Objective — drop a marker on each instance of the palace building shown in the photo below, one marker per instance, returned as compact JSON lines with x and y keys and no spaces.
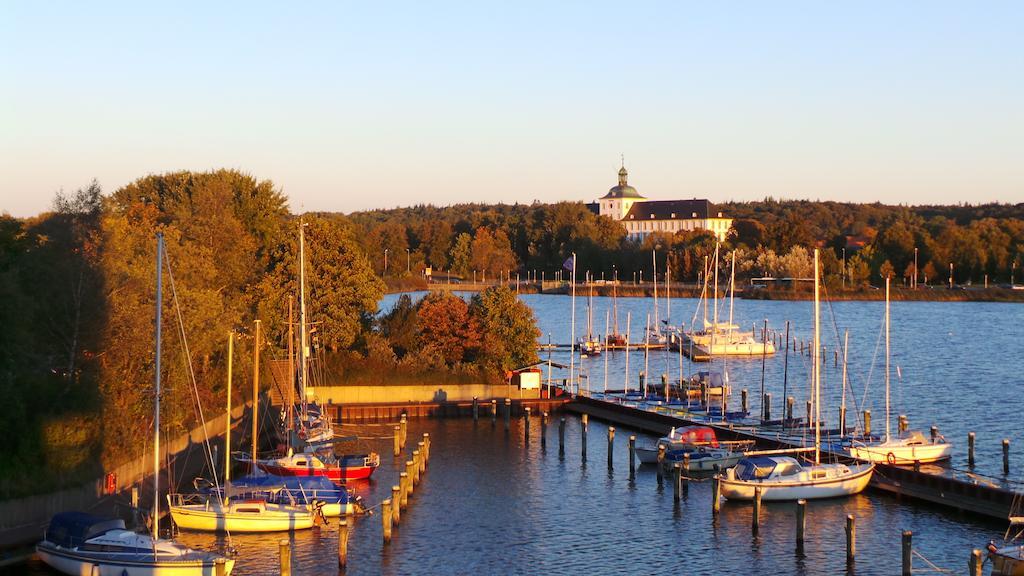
{"x":641,"y":216}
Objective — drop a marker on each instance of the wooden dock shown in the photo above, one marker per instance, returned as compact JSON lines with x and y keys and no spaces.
{"x":968,"y":492}
{"x":391,"y":411}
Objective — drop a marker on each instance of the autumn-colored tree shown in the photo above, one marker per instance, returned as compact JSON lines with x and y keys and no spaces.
{"x":492,"y":253}
{"x":445,"y":325}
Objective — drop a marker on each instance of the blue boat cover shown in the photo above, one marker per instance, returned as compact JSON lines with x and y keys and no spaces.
{"x":319,"y":487}
{"x":70,"y":529}
{"x":755,"y":467}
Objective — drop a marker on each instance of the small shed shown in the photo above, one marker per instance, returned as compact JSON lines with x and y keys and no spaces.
{"x":531,"y":376}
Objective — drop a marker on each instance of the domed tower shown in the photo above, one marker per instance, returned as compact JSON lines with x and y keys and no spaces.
{"x":619,"y":199}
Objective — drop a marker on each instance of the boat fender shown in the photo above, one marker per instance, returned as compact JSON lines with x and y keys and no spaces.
{"x":992,"y":548}
{"x":890,"y":458}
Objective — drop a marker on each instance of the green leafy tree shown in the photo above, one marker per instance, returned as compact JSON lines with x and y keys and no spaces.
{"x":461,"y":255}
{"x":509,"y":329}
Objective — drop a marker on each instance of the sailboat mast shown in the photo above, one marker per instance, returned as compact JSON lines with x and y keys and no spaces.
{"x":625,"y":383}
{"x":290,"y":406}
{"x":887,"y":418}
{"x":846,"y":346}
{"x":704,"y":293}
{"x":668,"y":290}
{"x":647,"y":349}
{"x":572,"y":343}
{"x":732,"y":286}
{"x":607,"y":313}
{"x":816,"y":371}
{"x":615,"y":305}
{"x":303,"y":334}
{"x":156,"y":387}
{"x":227,"y":431}
{"x":714,"y":328}
{"x":654,"y":261}
{"x":255,"y":392}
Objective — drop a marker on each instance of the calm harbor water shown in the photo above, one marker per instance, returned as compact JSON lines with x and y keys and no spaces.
{"x":493,"y":503}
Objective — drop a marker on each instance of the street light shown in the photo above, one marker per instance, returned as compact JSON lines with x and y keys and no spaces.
{"x":914,"y":283}
{"x":408,"y":267}
{"x":844,"y":268}
{"x":950,"y":275}
{"x":385,"y":261}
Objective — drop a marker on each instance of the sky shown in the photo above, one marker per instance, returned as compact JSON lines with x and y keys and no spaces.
{"x":353,"y":106}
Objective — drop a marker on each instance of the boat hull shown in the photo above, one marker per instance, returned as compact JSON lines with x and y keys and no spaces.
{"x":902,"y":455}
{"x":202,"y":519}
{"x":853,"y":483}
{"x":85,"y":564}
{"x":1008,"y":561}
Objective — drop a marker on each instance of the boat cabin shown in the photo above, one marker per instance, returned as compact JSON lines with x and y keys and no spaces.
{"x":693,"y":436}
{"x":765,"y":467}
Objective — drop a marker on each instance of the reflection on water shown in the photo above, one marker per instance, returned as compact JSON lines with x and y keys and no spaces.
{"x":491,"y":503}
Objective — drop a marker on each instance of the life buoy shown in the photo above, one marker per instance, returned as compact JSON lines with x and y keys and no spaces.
{"x":890,"y":458}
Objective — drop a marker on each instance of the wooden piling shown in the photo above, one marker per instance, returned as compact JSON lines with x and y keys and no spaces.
{"x":851,"y":539}
{"x":526,"y":424}
{"x":342,"y":545}
{"x":398,"y":441}
{"x":561,"y":437}
{"x":970,"y":449}
{"x":908,"y":550}
{"x":677,"y":470}
{"x":867,"y":422}
{"x":632,"y":457}
{"x":716,"y":494}
{"x":842,"y":420}
{"x":661,"y":463}
{"x":755,"y":520}
{"x":220,"y":567}
{"x":917,"y":465}
{"x":767,"y":406}
{"x":790,"y":401}
{"x":810,"y":414}
{"x":404,"y":425}
{"x":976,"y":562}
{"x":508,"y":412}
{"x":686,"y":468}
{"x":385,"y":519}
{"x":403,"y":483}
{"x":396,"y":508}
{"x":410,"y":472}
{"x":422,"y":460}
{"x":584,"y":428}
{"x":543,"y":429}
{"x":476,"y":409}
{"x":801,"y":524}
{"x":611,"y":446}
{"x":417,"y":469}
{"x":285,"y":555}
{"x":426,"y":444}
{"x":494,"y":411}
{"x":1006,"y":456}
{"x":743,"y":400}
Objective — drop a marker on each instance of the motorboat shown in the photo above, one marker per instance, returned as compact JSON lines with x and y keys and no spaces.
{"x":83,"y":544}
{"x":339,"y":469}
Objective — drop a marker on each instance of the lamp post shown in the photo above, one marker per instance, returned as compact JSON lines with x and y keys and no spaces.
{"x":385,"y":261}
{"x":914,"y":283}
{"x":408,"y":262}
{"x":844,"y":268}
{"x":950,"y":275}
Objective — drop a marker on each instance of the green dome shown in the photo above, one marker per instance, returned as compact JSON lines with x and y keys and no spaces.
{"x":623,"y":190}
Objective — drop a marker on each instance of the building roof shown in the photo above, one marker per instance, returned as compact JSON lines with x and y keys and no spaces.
{"x":672,"y":210}
{"x":623,"y":190}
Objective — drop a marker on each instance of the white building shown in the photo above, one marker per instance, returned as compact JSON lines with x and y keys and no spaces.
{"x":641,"y":216}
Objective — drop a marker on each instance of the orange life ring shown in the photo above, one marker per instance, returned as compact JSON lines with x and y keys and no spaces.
{"x":890,"y":458}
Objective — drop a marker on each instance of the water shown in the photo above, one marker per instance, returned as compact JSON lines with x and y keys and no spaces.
{"x":493,"y":503}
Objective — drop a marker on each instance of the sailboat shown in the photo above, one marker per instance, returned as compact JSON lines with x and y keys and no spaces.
{"x":615,"y":338}
{"x":590,"y":345}
{"x":220,"y":512}
{"x":654,"y":334}
{"x":908,"y":446}
{"x":79,"y":543}
{"x":1008,"y":560}
{"x":783,"y":477}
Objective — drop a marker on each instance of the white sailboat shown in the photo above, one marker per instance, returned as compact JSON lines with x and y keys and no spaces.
{"x":212,"y":513}
{"x":783,"y":477}
{"x":82,"y":544}
{"x":906,"y":447}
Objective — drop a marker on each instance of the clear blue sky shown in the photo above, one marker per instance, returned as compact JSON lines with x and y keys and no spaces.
{"x":348,"y":106}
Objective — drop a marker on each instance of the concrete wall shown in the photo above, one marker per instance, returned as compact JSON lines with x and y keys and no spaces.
{"x":22,"y":520}
{"x":418,"y":393}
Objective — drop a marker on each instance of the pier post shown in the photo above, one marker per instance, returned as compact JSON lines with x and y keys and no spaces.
{"x":396,"y":507}
{"x":342,"y":545}
{"x":851,"y":539}
{"x":766,"y":410}
{"x":611,"y":446}
{"x":632,"y":457}
{"x":801,"y":524}
{"x":426,"y":444}
{"x":755,"y":520}
{"x":404,"y":425}
{"x":975,"y":564}
{"x":220,"y":567}
{"x":508,"y":412}
{"x":970,"y":449}
{"x":790,"y":401}
{"x":842,"y":421}
{"x":835,"y":363}
{"x":686,"y":469}
{"x":676,"y":480}
{"x":1006,"y":456}
{"x":403,"y":483}
{"x":809,"y":414}
{"x":422,"y":460}
{"x":543,"y":429}
{"x":476,"y":409}
{"x":716,"y":494}
{"x":743,"y":400}
{"x":917,"y":465}
{"x":526,"y":424}
{"x":867,"y":422}
{"x":398,"y":441}
{"x":584,"y":428}
{"x":661,"y":463}
{"x":908,"y":561}
{"x":409,"y":471}
{"x":385,"y":519}
{"x":285,"y":555}
{"x":561,"y":437}
{"x":494,"y":411}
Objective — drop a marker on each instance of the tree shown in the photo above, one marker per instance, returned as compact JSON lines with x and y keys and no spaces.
{"x":446,"y":327}
{"x":492,"y":253}
{"x":509,"y":329}
{"x":399,"y":326}
{"x":461,"y":254}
